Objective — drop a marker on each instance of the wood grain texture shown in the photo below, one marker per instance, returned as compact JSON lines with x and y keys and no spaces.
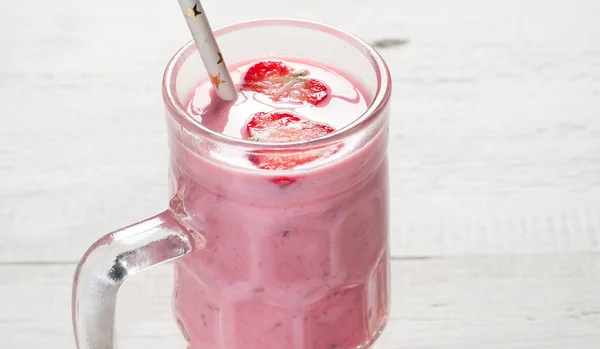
{"x":495,"y":143}
{"x":494,"y":302}
{"x":494,"y":136}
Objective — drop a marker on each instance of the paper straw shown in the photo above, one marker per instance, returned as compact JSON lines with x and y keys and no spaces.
{"x":208,"y":48}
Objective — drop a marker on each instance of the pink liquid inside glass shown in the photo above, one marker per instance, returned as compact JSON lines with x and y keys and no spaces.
{"x":298,"y":266}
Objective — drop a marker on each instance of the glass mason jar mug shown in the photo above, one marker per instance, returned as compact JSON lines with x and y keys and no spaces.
{"x":261,"y":264}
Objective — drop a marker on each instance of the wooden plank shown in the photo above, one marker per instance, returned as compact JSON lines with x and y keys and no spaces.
{"x":494,"y":302}
{"x":494,"y":136}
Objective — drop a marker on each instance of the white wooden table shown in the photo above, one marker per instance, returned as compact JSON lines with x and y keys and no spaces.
{"x":495,"y":162}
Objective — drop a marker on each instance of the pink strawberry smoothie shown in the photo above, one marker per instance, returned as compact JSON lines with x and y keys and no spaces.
{"x":296,"y":250}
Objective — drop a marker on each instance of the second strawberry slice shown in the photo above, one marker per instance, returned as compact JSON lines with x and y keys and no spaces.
{"x":283,"y":127}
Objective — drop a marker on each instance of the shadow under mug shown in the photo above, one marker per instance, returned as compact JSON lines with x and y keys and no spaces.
{"x":294,"y":259}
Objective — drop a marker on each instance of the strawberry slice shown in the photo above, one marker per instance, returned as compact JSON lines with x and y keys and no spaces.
{"x":280,"y":82}
{"x":281,"y":127}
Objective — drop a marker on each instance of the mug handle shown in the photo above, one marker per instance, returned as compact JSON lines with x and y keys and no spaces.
{"x":108,"y":263}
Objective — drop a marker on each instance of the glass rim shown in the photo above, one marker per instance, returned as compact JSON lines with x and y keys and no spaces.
{"x":179,"y":112}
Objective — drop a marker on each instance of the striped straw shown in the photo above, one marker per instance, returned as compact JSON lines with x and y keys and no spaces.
{"x":208,"y":48}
